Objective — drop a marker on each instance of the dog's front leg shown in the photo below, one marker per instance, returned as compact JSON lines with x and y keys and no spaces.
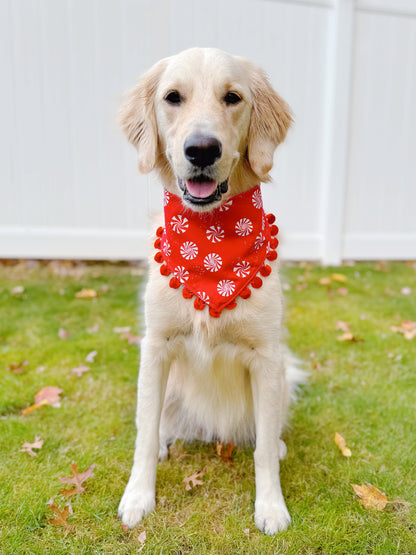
{"x":139,"y":495}
{"x":270,"y":401}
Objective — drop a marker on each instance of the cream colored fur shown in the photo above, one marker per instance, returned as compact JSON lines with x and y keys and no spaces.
{"x":201,"y":377}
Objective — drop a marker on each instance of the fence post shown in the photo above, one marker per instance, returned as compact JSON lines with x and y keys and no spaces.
{"x":339,"y":88}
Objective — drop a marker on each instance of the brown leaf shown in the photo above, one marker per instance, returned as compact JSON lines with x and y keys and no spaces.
{"x":18,"y":368}
{"x":86,"y":294}
{"x":48,"y":395}
{"x":370,"y":496}
{"x":63,"y":334}
{"x":325,"y":281}
{"x":343,"y":326}
{"x":225,"y":451}
{"x":192,"y":481}
{"x":77,"y":479}
{"x":407,"y":328}
{"x":61,"y":516}
{"x":80,"y":369}
{"x":28,"y":447}
{"x":340,"y":441}
{"x":347,"y":336}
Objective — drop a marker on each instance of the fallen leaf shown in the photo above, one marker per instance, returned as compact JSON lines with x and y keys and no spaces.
{"x":246,"y":531}
{"x":342,"y":291}
{"x":77,"y":479}
{"x":347,"y":336}
{"x":61,"y":516}
{"x":63,"y":334}
{"x":407,"y":328}
{"x":80,"y":369}
{"x":406,"y":291}
{"x":131,"y":337}
{"x":18,"y":368}
{"x":124,"y":527}
{"x":93,"y":329}
{"x":142,"y":537}
{"x":91,"y":356}
{"x":340,"y":278}
{"x":225,"y":451}
{"x":370,"y":496}
{"x":18,"y":290}
{"x":86,"y":294}
{"x":48,"y":395}
{"x":325,"y":281}
{"x":192,"y":481}
{"x":340,"y":441}
{"x":28,"y":447}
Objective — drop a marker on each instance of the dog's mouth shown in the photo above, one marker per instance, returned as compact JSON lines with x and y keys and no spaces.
{"x":201,"y":190}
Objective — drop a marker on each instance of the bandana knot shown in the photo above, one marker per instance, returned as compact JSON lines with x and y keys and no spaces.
{"x":215,"y":256}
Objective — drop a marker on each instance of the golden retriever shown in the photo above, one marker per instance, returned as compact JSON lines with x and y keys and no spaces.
{"x":209,"y":123}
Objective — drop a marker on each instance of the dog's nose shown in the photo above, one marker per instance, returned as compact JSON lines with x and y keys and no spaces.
{"x":202,"y":150}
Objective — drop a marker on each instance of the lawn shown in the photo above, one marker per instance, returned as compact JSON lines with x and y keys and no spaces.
{"x":362,"y":387}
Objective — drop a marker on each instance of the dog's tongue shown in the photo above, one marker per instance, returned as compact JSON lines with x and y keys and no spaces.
{"x":201,"y":190}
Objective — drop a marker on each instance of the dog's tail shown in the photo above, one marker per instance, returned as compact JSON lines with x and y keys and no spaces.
{"x":295,"y":374}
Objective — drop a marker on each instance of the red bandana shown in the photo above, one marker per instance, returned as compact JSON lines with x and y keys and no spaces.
{"x":216,"y":255}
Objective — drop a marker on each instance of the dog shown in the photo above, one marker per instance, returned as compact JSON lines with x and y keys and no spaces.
{"x":209,"y":123}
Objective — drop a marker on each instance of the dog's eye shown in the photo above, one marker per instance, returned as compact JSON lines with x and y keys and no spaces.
{"x":232,"y":98}
{"x":173,"y":97}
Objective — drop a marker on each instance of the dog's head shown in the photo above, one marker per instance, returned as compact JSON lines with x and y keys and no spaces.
{"x":208,"y":121}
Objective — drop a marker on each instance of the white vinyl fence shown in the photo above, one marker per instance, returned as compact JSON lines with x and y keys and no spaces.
{"x":345,"y":179}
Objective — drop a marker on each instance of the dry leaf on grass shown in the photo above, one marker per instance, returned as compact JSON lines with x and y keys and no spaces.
{"x":225,"y":451}
{"x":17,"y":290}
{"x":91,"y":356}
{"x":61,"y":516}
{"x":407,"y":328}
{"x":340,"y":441}
{"x":131,"y":337}
{"x":93,"y":329}
{"x":18,"y":368}
{"x":80,"y":369}
{"x":192,"y":481}
{"x":28,"y":447}
{"x":77,"y":479}
{"x":48,"y":395}
{"x":86,"y":294}
{"x":340,"y":278}
{"x":343,"y":326}
{"x":370,"y":497}
{"x":63,"y":334}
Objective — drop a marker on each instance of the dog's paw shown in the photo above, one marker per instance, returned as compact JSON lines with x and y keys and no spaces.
{"x":271,"y":518}
{"x":135,"y":505}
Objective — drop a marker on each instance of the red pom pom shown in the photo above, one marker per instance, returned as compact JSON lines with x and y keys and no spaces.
{"x":164,"y":270}
{"x":214,"y":313}
{"x":158,"y":257}
{"x":187,"y":294}
{"x":159,"y":231}
{"x":256,"y":282}
{"x":271,"y":218}
{"x":274,"y":230}
{"x":199,"y":304}
{"x":265,"y":270}
{"x":231,"y":306}
{"x":274,"y":241}
{"x":174,"y":283}
{"x":157,"y":243}
{"x":245,"y":293}
{"x":272,"y":255}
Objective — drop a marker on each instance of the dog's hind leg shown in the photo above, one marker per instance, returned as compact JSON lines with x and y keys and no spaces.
{"x":139,"y":495}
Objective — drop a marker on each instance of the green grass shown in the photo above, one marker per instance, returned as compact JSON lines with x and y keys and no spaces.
{"x":364,"y":390}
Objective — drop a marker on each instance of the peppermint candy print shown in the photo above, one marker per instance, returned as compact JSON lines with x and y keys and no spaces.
{"x":242,"y":269}
{"x":215,"y":233}
{"x":213,"y":262}
{"x":257,"y":200}
{"x":188,"y":250}
{"x":179,"y":224}
{"x":243,"y":227}
{"x":226,"y":206}
{"x":259,"y":241}
{"x":181,"y":273}
{"x":226,"y":287}
{"x":203,"y":296}
{"x":166,"y":197}
{"x":166,"y":248}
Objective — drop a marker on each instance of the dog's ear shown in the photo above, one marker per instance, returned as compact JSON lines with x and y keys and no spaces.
{"x":137,"y":117}
{"x":269,"y":121}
